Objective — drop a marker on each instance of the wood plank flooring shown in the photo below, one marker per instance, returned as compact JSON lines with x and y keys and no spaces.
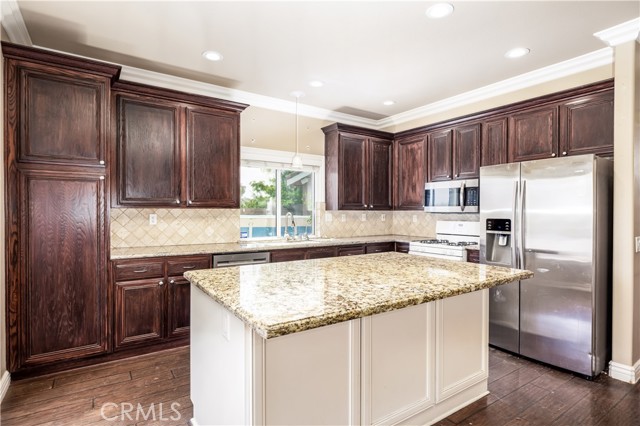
{"x":522,"y":393}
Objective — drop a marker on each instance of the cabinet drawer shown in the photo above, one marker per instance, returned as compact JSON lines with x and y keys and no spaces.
{"x":351,"y":250}
{"x":380,"y":247}
{"x":179,"y":267}
{"x":138,"y":270}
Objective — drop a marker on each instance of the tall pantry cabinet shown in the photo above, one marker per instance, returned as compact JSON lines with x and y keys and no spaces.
{"x":56,"y":133}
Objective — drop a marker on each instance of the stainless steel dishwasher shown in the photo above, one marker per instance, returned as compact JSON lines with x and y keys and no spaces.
{"x":239,"y":259}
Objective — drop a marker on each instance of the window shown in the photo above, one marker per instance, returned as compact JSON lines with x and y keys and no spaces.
{"x":272,"y":198}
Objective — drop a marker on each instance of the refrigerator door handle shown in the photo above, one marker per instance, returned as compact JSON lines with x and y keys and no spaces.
{"x":514,"y":253}
{"x":523,"y":194}
{"x":462,"y":188}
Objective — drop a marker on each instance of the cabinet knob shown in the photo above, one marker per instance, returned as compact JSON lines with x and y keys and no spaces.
{"x":364,"y":205}
{"x":553,"y":154}
{"x":177,"y":201}
{"x":370,"y":206}
{"x":101,"y":162}
{"x":161,"y":282}
{"x":448,"y":176}
{"x":457,"y":174}
{"x":564,"y":152}
{"x":172,"y":282}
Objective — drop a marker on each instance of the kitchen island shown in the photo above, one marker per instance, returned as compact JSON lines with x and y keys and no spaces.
{"x":380,"y":338}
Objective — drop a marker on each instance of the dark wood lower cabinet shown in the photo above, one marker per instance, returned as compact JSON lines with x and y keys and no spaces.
{"x":139,"y":312}
{"x":288,"y":255}
{"x":473,"y":256}
{"x":402,"y":247}
{"x":152,"y":299}
{"x":380,"y":247}
{"x":352,"y":250}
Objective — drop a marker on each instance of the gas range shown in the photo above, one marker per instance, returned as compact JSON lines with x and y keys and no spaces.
{"x":451,"y":240}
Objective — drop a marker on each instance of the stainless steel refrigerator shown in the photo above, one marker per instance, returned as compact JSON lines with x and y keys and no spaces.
{"x":552,"y":217}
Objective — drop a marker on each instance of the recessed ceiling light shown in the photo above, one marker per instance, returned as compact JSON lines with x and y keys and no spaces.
{"x":388,"y":103}
{"x":517,"y":52}
{"x":439,"y":10}
{"x":316,"y":83}
{"x":212,"y":55}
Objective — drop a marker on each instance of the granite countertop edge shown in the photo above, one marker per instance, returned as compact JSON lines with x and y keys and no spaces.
{"x":252,"y":246}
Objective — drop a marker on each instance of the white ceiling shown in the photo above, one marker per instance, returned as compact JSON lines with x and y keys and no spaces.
{"x":365,"y":52}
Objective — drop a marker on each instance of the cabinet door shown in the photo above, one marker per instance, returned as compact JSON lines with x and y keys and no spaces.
{"x":288,"y":255}
{"x":466,"y":152}
{"x":62,"y":114}
{"x":139,"y":312}
{"x":380,"y":174}
{"x":533,"y":134}
{"x":440,"y":145}
{"x":179,"y":313}
{"x":57,"y":297}
{"x":494,"y":142}
{"x":410,"y":172}
{"x":148,"y":152}
{"x":213,"y":158}
{"x":352,"y":173}
{"x":586,"y":125}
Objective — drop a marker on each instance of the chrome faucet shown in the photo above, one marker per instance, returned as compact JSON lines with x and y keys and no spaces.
{"x":291,"y":222}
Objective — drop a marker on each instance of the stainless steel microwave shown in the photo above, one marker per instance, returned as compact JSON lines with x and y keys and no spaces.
{"x":452,"y":196}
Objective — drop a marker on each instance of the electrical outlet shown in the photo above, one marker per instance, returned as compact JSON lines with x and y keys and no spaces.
{"x":328,"y":217}
{"x":383,"y":217}
{"x":363,"y":217}
{"x":153,"y":219}
{"x":414,"y":218}
{"x":637,"y":244}
{"x":343,"y":218}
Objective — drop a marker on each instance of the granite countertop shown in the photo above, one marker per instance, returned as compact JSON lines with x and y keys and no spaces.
{"x":283,"y":298}
{"x":251,"y":246}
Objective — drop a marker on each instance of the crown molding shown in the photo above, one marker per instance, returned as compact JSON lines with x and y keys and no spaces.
{"x":177,"y":83}
{"x":13,"y":23}
{"x":627,"y":31}
{"x":542,"y":75}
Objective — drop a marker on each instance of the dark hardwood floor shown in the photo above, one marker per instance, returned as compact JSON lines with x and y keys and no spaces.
{"x":522,"y":393}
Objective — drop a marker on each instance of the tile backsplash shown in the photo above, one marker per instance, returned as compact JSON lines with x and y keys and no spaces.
{"x":131,"y":228}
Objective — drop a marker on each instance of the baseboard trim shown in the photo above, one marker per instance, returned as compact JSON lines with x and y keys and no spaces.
{"x":625,"y":373}
{"x":4,"y":384}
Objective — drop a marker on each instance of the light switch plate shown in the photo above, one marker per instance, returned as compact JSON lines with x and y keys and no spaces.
{"x":153,"y":219}
{"x":637,"y":244}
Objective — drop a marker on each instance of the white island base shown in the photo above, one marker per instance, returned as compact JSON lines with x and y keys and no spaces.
{"x":414,"y":365}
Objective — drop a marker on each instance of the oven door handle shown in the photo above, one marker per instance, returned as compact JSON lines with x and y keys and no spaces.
{"x":462,"y":200}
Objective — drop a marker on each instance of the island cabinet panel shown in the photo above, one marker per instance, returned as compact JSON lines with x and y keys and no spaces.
{"x":586,"y":125}
{"x":398,"y":367}
{"x":174,"y":149}
{"x":493,"y":147}
{"x":533,"y":134}
{"x":410,"y":172}
{"x":461,"y":343}
{"x":358,"y":168}
{"x":63,"y":311}
{"x":213,"y":158}
{"x":148,"y":150}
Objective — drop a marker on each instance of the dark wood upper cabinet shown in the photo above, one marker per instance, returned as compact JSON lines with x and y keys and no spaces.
{"x":410,"y":172}
{"x":493,"y":148}
{"x":175,"y":149}
{"x":586,"y":125}
{"x":61,"y":105}
{"x":466,"y":151}
{"x":358,"y":168}
{"x":533,"y":134}
{"x":148,"y":151}
{"x":454,"y":153}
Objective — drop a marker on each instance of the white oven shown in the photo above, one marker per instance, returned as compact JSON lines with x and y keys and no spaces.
{"x":451,"y":242}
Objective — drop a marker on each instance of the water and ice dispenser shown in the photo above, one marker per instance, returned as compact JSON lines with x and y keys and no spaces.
{"x":499,"y":241}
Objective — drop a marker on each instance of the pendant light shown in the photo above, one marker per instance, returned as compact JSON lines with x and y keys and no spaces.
{"x":296,"y":161}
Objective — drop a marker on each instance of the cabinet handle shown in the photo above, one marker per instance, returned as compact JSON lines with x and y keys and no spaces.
{"x":172,"y":282}
{"x":140,"y":271}
{"x":553,"y":154}
{"x":189,"y":267}
{"x":564,"y":152}
{"x":161,"y":283}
